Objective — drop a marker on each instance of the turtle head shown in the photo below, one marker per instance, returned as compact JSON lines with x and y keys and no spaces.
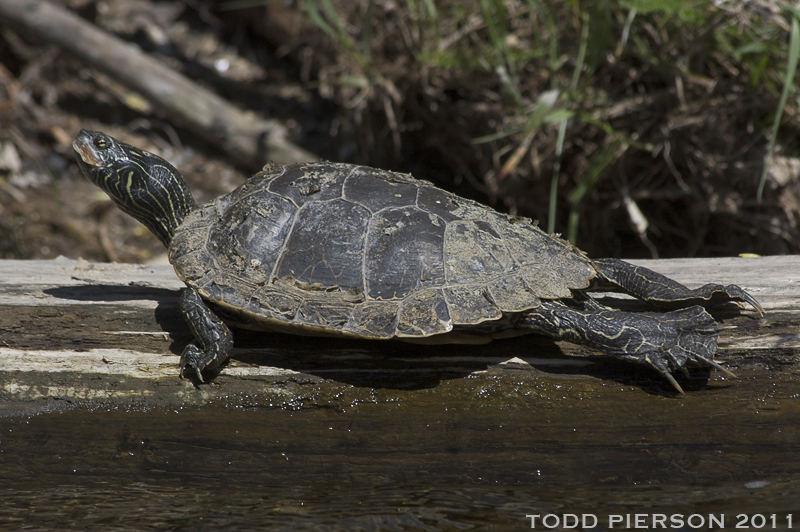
{"x":142,"y":184}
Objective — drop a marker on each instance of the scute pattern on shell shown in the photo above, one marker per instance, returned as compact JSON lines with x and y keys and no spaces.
{"x":329,"y":248}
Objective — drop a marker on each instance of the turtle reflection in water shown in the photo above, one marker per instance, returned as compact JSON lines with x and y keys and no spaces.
{"x":343,"y":250}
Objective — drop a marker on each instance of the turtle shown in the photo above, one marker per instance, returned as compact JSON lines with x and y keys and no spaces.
{"x":335,"y":249}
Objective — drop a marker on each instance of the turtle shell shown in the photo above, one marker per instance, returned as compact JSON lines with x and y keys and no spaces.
{"x":328,"y":248}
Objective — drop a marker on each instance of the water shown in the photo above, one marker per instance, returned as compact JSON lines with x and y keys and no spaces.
{"x":477,"y":453}
{"x":217,"y":506}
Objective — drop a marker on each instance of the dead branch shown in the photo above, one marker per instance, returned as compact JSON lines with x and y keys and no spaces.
{"x":250,"y":139}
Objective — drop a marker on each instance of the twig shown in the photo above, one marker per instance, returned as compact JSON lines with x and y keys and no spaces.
{"x":250,"y":139}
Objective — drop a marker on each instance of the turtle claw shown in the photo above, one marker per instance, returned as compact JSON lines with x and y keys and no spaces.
{"x":659,"y":366}
{"x":199,"y":375}
{"x":667,"y":375}
{"x":190,"y":359}
{"x":721,"y":368}
{"x":662,"y":368}
{"x":197,"y":372}
{"x":737,"y":294}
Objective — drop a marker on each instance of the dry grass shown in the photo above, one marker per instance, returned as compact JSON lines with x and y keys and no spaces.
{"x":637,"y":128}
{"x":652,"y":122}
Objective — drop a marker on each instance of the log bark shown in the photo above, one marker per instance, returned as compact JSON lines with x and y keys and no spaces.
{"x":246,"y":137}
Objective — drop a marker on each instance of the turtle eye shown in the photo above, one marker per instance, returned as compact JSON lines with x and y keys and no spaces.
{"x":101,"y":142}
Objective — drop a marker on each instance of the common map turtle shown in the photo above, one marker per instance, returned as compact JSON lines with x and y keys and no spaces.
{"x":336,"y":249}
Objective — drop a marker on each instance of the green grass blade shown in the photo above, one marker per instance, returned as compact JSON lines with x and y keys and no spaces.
{"x":788,"y":84}
{"x":497,"y":136}
{"x":553,"y":204}
{"x":600,"y":162}
{"x":579,"y":62}
{"x":318,"y":20}
{"x":562,"y":130}
{"x":366,"y":31}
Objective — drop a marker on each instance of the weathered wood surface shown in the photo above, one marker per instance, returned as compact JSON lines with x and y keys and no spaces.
{"x":73,"y":331}
{"x":89,"y":391}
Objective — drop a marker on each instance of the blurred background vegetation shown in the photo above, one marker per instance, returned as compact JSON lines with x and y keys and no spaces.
{"x":636,"y":128}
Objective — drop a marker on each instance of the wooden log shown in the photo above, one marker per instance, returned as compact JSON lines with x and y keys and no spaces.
{"x":252,"y":140}
{"x":77,"y":331}
{"x":92,"y":350}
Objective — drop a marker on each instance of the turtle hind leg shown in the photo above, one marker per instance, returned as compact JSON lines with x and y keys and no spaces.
{"x":664,"y":292}
{"x":213,"y":343}
{"x":666,"y":342}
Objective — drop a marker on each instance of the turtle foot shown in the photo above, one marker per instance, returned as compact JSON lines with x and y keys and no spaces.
{"x":213,"y":339}
{"x":192,"y":358}
{"x":666,"y":364}
{"x":667,"y":342}
{"x":690,"y":340}
{"x":735,"y":293}
{"x":664,"y":292}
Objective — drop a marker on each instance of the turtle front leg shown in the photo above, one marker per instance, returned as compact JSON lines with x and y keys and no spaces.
{"x":213,"y":343}
{"x":664,"y":292}
{"x":665,"y":342}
